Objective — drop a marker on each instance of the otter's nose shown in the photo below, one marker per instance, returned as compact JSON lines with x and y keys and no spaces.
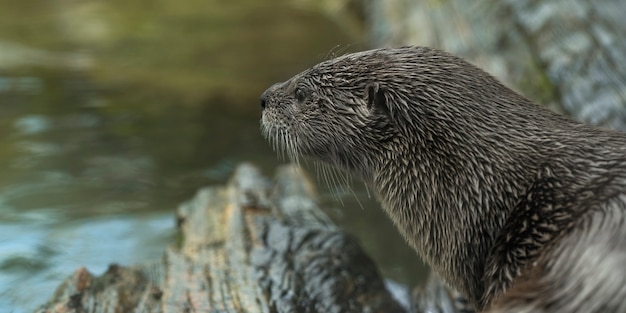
{"x":265,"y":95}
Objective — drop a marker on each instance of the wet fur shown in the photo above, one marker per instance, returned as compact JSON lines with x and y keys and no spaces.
{"x":520,"y":209}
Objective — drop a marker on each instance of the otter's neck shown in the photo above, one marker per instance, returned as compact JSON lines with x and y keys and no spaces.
{"x":450,"y":185}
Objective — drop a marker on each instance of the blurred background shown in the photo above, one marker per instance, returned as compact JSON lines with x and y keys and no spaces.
{"x":114,"y":112}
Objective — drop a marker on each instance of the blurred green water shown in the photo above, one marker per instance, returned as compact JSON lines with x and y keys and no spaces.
{"x":113,"y":112}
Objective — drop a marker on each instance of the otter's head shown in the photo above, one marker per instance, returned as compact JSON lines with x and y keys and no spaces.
{"x":336,"y":112}
{"x":344,"y":110}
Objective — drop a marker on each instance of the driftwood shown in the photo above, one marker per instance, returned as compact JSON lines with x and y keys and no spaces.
{"x":251,"y":246}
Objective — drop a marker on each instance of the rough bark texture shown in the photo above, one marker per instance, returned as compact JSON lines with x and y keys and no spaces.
{"x":252,"y":246}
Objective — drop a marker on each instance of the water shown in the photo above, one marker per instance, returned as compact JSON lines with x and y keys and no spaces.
{"x":114,"y":112}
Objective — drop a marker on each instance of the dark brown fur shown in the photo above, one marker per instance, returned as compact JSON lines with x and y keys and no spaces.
{"x":519,"y":208}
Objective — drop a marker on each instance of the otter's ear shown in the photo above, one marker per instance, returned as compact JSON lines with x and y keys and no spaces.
{"x":376,"y":98}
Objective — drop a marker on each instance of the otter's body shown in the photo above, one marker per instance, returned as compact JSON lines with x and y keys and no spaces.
{"x":517,"y":207}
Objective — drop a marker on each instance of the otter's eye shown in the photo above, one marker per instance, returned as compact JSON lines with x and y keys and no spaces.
{"x":300,"y":95}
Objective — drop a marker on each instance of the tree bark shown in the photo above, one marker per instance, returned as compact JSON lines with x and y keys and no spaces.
{"x":251,"y":246}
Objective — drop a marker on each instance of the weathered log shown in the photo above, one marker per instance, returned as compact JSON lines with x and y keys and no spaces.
{"x":251,"y":246}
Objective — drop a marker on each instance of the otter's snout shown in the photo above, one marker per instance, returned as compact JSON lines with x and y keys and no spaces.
{"x":266,"y":93}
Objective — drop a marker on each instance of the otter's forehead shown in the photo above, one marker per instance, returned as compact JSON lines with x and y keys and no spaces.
{"x":386,"y":64}
{"x":344,"y":68}
{"x":372,"y":62}
{"x":382,"y":55}
{"x":354,"y":60}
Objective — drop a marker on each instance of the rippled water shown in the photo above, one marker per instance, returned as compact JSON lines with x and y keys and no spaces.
{"x":114,"y":112}
{"x":91,"y":180}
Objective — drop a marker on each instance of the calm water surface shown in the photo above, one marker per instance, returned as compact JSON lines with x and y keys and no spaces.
{"x":114,"y":112}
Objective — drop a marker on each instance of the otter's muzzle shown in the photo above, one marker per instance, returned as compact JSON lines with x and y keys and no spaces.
{"x":266,"y":93}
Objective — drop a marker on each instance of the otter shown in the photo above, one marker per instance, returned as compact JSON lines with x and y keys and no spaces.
{"x":519,"y":208}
